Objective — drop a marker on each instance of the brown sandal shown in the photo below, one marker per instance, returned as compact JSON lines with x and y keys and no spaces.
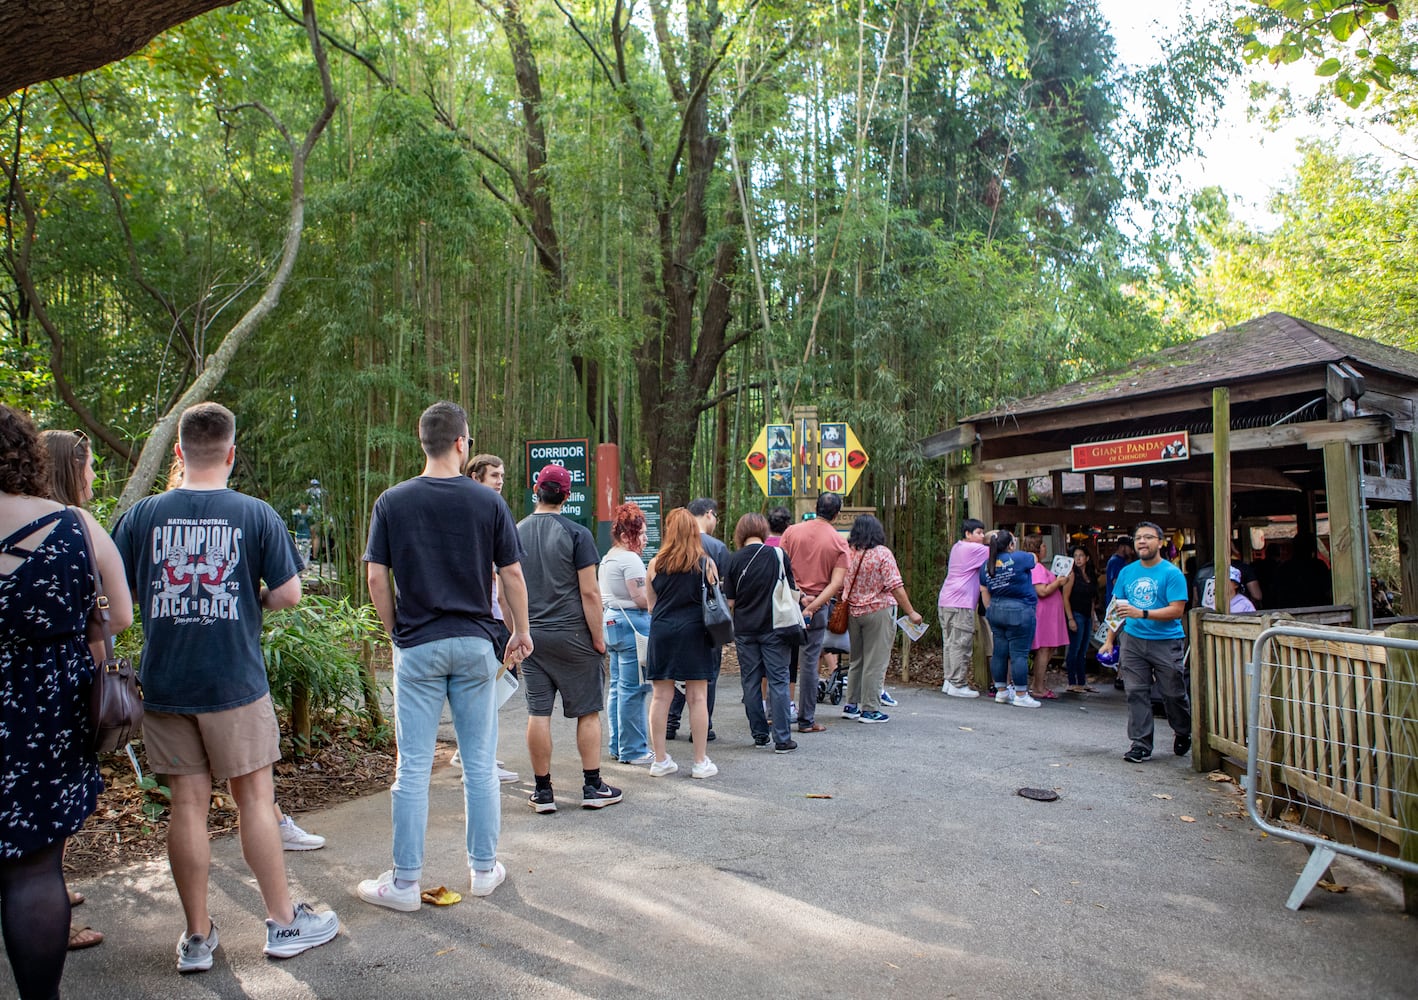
{"x":75,"y":898}
{"x":816,"y":727}
{"x":83,"y":936}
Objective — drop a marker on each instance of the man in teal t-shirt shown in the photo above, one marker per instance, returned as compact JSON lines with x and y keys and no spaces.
{"x":1152,"y":597}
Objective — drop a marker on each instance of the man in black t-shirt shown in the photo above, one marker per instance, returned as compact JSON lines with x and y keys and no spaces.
{"x":437,"y":535}
{"x":564,"y":602}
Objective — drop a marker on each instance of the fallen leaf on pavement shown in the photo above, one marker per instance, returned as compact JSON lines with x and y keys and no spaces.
{"x":440,"y":954}
{"x":816,"y":795}
{"x":966,"y":729}
{"x":1036,"y":892}
{"x":1218,"y":776}
{"x":1187,"y":819}
{"x":1160,"y":795}
{"x":1332,"y":886}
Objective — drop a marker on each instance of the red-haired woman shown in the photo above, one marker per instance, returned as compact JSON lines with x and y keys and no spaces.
{"x":623,"y":595}
{"x":679,"y":646}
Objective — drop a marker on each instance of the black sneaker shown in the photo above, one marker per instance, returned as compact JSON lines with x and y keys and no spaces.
{"x":711,"y":737}
{"x":598,"y":798}
{"x":542,"y":800}
{"x":761,"y":742}
{"x":788,"y":747}
{"x":1182,"y":745}
{"x":1137,"y":755}
{"x":670,"y":733}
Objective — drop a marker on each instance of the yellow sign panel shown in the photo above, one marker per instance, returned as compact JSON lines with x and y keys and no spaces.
{"x":840,"y":458}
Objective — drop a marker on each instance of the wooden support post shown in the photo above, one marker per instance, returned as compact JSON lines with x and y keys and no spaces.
{"x":1346,"y":544}
{"x":980,"y":500}
{"x":1408,"y":537}
{"x":1403,"y":710}
{"x":979,"y":662}
{"x":1204,"y":757}
{"x":1221,"y":488}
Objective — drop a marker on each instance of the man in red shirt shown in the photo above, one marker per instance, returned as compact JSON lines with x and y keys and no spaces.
{"x":819,"y":556}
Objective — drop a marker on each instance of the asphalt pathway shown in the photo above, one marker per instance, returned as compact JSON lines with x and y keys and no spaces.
{"x":923,"y":875}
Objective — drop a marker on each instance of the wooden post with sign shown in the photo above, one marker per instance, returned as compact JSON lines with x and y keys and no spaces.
{"x":1346,"y":544}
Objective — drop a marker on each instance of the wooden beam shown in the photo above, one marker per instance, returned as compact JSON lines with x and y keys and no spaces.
{"x":1346,"y":545}
{"x":1221,"y":489}
{"x":1008,"y":513}
{"x":1378,"y":488}
{"x":980,"y":501}
{"x":1314,"y":434}
{"x":946,"y":442}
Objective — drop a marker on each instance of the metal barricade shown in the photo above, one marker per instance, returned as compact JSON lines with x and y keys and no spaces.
{"x":1332,"y":733}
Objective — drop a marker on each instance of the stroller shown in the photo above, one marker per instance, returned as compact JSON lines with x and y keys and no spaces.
{"x":834,"y":688}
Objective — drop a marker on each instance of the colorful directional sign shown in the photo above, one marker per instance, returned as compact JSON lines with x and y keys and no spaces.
{"x":843,"y":458}
{"x":840,"y":456}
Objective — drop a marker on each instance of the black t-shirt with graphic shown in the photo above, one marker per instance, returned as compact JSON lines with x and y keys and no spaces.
{"x":439,"y":536}
{"x":195,"y":561}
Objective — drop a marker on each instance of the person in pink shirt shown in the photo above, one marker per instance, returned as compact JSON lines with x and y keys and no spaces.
{"x":959,"y":595}
{"x":1050,"y":625}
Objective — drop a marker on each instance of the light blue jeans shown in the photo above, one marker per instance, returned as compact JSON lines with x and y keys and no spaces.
{"x":463,"y":672}
{"x":628,"y":697}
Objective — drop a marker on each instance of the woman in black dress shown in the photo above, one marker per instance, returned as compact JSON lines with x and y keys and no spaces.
{"x":50,"y":780}
{"x":679,"y":646}
{"x":1082,"y":600}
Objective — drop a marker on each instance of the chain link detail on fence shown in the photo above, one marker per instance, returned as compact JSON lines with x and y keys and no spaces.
{"x":1332,"y":742}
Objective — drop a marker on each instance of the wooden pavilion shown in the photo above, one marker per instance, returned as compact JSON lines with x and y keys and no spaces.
{"x":1274,"y":418}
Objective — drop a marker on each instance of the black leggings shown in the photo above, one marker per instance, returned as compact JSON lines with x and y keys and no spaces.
{"x":34,"y":916}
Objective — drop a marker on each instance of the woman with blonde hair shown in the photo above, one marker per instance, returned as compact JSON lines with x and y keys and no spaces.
{"x":680,"y":649}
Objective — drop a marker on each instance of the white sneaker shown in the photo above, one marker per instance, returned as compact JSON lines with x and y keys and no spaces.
{"x":703,"y":769}
{"x":194,"y":951}
{"x":1002,"y":696}
{"x":485,"y":882}
{"x":1022,"y":699}
{"x":660,"y":768}
{"x":382,"y":891}
{"x":959,"y":692}
{"x":456,"y":760}
{"x":308,"y":930}
{"x":792,"y":713}
{"x":505,"y":775}
{"x":641,"y":761}
{"x":293,"y":838}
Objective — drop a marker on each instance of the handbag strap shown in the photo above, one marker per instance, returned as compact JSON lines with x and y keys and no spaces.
{"x":848,"y":589}
{"x":98,"y":614}
{"x":751,"y":558}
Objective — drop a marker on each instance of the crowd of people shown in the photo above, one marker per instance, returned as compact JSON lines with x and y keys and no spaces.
{"x":480,"y":599}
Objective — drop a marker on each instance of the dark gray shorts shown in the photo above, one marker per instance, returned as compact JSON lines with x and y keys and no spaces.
{"x":568,"y":663}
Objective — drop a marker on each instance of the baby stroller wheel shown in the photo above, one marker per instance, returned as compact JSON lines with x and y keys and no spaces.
{"x":821,"y":691}
{"x":836,"y":695}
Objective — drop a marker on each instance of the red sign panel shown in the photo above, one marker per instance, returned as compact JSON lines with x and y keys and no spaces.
{"x":1172,"y":446}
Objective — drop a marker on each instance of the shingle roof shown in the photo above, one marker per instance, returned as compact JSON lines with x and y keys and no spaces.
{"x":1264,"y":346}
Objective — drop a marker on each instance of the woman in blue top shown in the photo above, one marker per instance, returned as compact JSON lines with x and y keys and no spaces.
{"x":1010,"y":601}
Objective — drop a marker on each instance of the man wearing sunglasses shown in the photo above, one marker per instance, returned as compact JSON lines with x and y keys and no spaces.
{"x":1152,"y":597}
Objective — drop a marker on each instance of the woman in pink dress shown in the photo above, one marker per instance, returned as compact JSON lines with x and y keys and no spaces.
{"x":1051,"y":626}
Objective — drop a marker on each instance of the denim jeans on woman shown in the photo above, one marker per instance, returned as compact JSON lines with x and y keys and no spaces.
{"x":626,"y":702}
{"x":463,"y":672}
{"x":1012,"y":622}
{"x":1078,"y":650}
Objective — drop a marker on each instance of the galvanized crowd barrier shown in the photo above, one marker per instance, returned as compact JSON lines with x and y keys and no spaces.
{"x":1332,"y":742}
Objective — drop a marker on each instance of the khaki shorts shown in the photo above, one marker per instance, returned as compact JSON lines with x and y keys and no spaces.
{"x":225,"y":744}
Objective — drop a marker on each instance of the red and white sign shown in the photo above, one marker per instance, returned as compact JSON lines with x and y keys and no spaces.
{"x":1172,"y":446}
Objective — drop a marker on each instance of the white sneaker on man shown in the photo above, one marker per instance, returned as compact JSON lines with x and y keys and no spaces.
{"x":485,"y":882}
{"x":959,"y":692}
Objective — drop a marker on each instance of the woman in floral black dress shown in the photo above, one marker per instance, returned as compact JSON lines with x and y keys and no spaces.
{"x":49,"y":781}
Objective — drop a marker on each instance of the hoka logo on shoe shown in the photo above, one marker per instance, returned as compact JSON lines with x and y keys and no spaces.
{"x":287,"y":932}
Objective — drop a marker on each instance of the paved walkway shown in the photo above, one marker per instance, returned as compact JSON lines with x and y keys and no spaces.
{"x":924,"y":875}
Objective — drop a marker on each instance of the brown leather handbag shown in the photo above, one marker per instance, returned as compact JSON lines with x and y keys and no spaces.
{"x":837,"y":620}
{"x":116,"y":700}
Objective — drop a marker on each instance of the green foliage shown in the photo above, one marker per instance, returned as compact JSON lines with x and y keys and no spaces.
{"x":316,"y":646}
{"x":1345,"y":38}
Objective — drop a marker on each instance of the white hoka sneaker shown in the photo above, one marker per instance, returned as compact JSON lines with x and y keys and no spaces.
{"x":293,"y":838}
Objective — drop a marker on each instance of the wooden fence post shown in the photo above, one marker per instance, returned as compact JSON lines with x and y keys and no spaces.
{"x":1402,"y":702}
{"x":1204,"y":757}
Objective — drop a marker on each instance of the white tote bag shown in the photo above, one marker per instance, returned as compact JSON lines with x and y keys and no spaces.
{"x":787,"y":603}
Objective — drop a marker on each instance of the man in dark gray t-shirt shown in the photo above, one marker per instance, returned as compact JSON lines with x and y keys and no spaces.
{"x":568,"y":635}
